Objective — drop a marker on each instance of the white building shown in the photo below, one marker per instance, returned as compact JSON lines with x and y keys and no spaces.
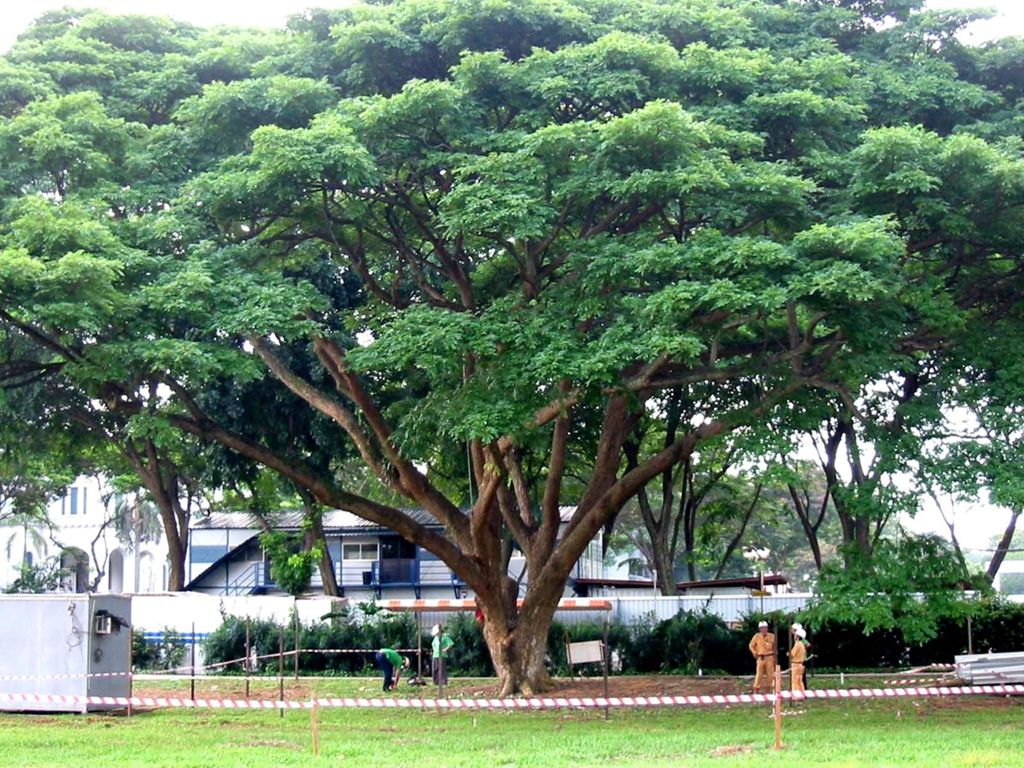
{"x":225,"y":558}
{"x":83,"y":536}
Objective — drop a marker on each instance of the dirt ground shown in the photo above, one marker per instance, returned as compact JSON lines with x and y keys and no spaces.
{"x":648,"y":685}
{"x":625,"y":685}
{"x":641,"y":685}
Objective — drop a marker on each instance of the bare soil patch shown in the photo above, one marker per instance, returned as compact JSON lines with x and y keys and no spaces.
{"x":730,"y":749}
{"x":640,"y":685}
{"x":632,"y":686}
{"x":580,"y":687}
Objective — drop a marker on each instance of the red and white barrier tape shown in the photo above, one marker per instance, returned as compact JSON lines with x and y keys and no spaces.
{"x":533,"y":703}
{"x":263,"y":656}
{"x":335,"y":650}
{"x":80,"y":676}
{"x":913,"y":681}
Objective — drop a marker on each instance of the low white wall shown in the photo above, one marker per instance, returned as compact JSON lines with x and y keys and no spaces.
{"x":181,"y":611}
{"x":185,"y":611}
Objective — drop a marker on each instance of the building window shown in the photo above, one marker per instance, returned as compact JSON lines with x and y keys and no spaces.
{"x":365,"y":551}
{"x":395,"y":548}
{"x":74,"y":501}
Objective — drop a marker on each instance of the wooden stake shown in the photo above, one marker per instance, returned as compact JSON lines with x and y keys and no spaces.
{"x":193,"y":686}
{"x":315,"y":723}
{"x":778,"y":707}
{"x":604,"y":655}
{"x":280,"y":669}
{"x":248,"y":654}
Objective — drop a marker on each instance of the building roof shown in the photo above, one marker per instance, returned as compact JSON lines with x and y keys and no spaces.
{"x":333,"y":519}
{"x":751,"y":582}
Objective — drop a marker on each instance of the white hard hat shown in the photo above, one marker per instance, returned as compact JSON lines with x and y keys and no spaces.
{"x":435,"y":630}
{"x":801,"y":633}
{"x":762,"y":624}
{"x":797,"y":625}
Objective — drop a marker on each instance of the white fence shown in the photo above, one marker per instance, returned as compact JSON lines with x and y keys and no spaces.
{"x":729,"y":608}
{"x":649,"y":610}
{"x":186,"y":612}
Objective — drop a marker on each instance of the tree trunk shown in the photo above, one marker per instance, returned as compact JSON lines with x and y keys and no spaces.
{"x":734,"y":542}
{"x":665,"y":571}
{"x":517,"y":636}
{"x":171,"y":514}
{"x":327,"y":574}
{"x":801,"y":505}
{"x":856,"y":536}
{"x":1004,"y":546}
{"x":690,"y":547}
{"x":160,"y":479}
{"x":176,"y":562}
{"x":659,"y":529}
{"x":518,"y":655}
{"x":315,"y":535}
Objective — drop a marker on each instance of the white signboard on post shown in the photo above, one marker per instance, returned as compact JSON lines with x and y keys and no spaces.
{"x":583,"y":653}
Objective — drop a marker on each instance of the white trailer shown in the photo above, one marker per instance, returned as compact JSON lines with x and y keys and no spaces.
{"x":63,"y":645}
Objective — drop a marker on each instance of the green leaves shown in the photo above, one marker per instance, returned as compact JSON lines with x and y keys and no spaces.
{"x":658,"y":136}
{"x":615,"y":74}
{"x":499,"y":194}
{"x":910,"y":585}
{"x":505,"y":201}
{"x":226,"y":113}
{"x":855,"y":262}
{"x":58,"y":143}
{"x":291,"y":567}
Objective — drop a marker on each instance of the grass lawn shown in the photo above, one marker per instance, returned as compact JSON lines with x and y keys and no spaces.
{"x":907,"y":732}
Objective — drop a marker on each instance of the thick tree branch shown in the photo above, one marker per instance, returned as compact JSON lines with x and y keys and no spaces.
{"x":336,"y":498}
{"x":325,"y":405}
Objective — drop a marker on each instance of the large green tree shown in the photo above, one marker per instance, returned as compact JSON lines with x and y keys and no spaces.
{"x":555,"y":212}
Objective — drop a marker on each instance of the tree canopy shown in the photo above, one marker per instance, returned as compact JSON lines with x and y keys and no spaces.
{"x":514,"y":230}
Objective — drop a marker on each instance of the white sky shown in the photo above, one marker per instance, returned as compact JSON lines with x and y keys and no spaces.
{"x":16,"y":15}
{"x":974,"y":530}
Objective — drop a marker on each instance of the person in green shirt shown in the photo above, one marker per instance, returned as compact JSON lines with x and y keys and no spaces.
{"x":389,"y":660}
{"x":440,"y":648}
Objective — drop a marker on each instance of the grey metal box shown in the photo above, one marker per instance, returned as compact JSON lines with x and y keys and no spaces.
{"x":64,"y":645}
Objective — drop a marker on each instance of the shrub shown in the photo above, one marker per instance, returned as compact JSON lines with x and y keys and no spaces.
{"x":469,"y":656}
{"x":167,"y":653}
{"x":144,"y":655}
{"x":686,"y":643}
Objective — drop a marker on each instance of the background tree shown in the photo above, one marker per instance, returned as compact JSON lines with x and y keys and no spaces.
{"x":696,"y":519}
{"x":976,"y":452}
{"x":98,"y":136}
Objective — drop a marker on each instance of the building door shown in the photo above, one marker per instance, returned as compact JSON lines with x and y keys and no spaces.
{"x":397,"y":560}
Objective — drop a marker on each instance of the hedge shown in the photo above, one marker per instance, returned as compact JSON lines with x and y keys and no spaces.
{"x":688,"y":643}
